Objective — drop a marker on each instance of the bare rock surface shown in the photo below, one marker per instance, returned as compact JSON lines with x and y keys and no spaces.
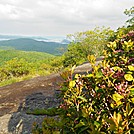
{"x":36,"y":93}
{"x":18,"y":98}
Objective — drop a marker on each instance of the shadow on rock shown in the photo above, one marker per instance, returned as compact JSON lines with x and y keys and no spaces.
{"x":21,"y":122}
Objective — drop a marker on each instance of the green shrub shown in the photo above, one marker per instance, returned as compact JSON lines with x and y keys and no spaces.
{"x":15,"y":68}
{"x":101,"y":102}
{"x":56,"y":64}
{"x":49,"y":126}
{"x":19,"y":68}
{"x":86,"y":43}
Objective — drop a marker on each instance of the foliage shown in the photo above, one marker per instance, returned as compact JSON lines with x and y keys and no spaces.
{"x":18,"y":65}
{"x":124,"y":29}
{"x":15,"y":68}
{"x":130,"y":13}
{"x":6,"y":55}
{"x":56,"y":63}
{"x":49,"y":112}
{"x":102,"y":101}
{"x":50,"y":126}
{"x":85,"y":43}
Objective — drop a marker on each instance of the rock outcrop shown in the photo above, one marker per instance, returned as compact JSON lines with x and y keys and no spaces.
{"x":18,"y":98}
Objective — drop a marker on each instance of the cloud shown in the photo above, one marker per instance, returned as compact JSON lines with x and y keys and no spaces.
{"x":61,"y":16}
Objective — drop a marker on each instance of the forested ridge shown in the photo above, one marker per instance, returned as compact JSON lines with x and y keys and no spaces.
{"x":27,"y":44}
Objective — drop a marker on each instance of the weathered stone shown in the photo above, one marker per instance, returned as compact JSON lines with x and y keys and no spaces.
{"x":16,"y":99}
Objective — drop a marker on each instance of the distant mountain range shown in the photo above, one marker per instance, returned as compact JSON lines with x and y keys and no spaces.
{"x":38,"y":44}
{"x":58,"y":39}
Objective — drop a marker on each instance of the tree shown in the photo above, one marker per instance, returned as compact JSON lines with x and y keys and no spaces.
{"x":85,"y":43}
{"x":129,"y":26}
{"x":130,"y":13}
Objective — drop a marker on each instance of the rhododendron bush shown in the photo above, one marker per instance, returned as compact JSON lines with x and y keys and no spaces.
{"x":102,"y":101}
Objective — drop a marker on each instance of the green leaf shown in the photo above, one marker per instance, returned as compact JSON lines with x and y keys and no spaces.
{"x":72,"y":71}
{"x":131,"y":68}
{"x":82,"y":98}
{"x":114,"y":44}
{"x":119,"y":118}
{"x":99,"y":74}
{"x":116,"y":68}
{"x":130,"y":111}
{"x":132,"y":92}
{"x":83,"y":129}
{"x":128,"y":77}
{"x":99,"y":90}
{"x":89,"y":75}
{"x":132,"y":99}
{"x":97,"y":124}
{"x":129,"y":72}
{"x":91,"y":59}
{"x":84,"y":113}
{"x":80,"y":124}
{"x":128,"y":108}
{"x":131,"y":89}
{"x":117,"y":97}
{"x":128,"y":44}
{"x":72,"y":84}
{"x":76,"y":76}
{"x":112,"y":124}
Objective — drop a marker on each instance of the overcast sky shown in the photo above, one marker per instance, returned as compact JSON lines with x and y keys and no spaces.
{"x":60,"y":17}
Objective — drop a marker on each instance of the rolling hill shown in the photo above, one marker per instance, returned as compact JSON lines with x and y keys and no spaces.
{"x":6,"y":55}
{"x":27,"y":44}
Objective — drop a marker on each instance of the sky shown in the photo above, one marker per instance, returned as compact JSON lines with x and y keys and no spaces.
{"x":60,"y":17}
